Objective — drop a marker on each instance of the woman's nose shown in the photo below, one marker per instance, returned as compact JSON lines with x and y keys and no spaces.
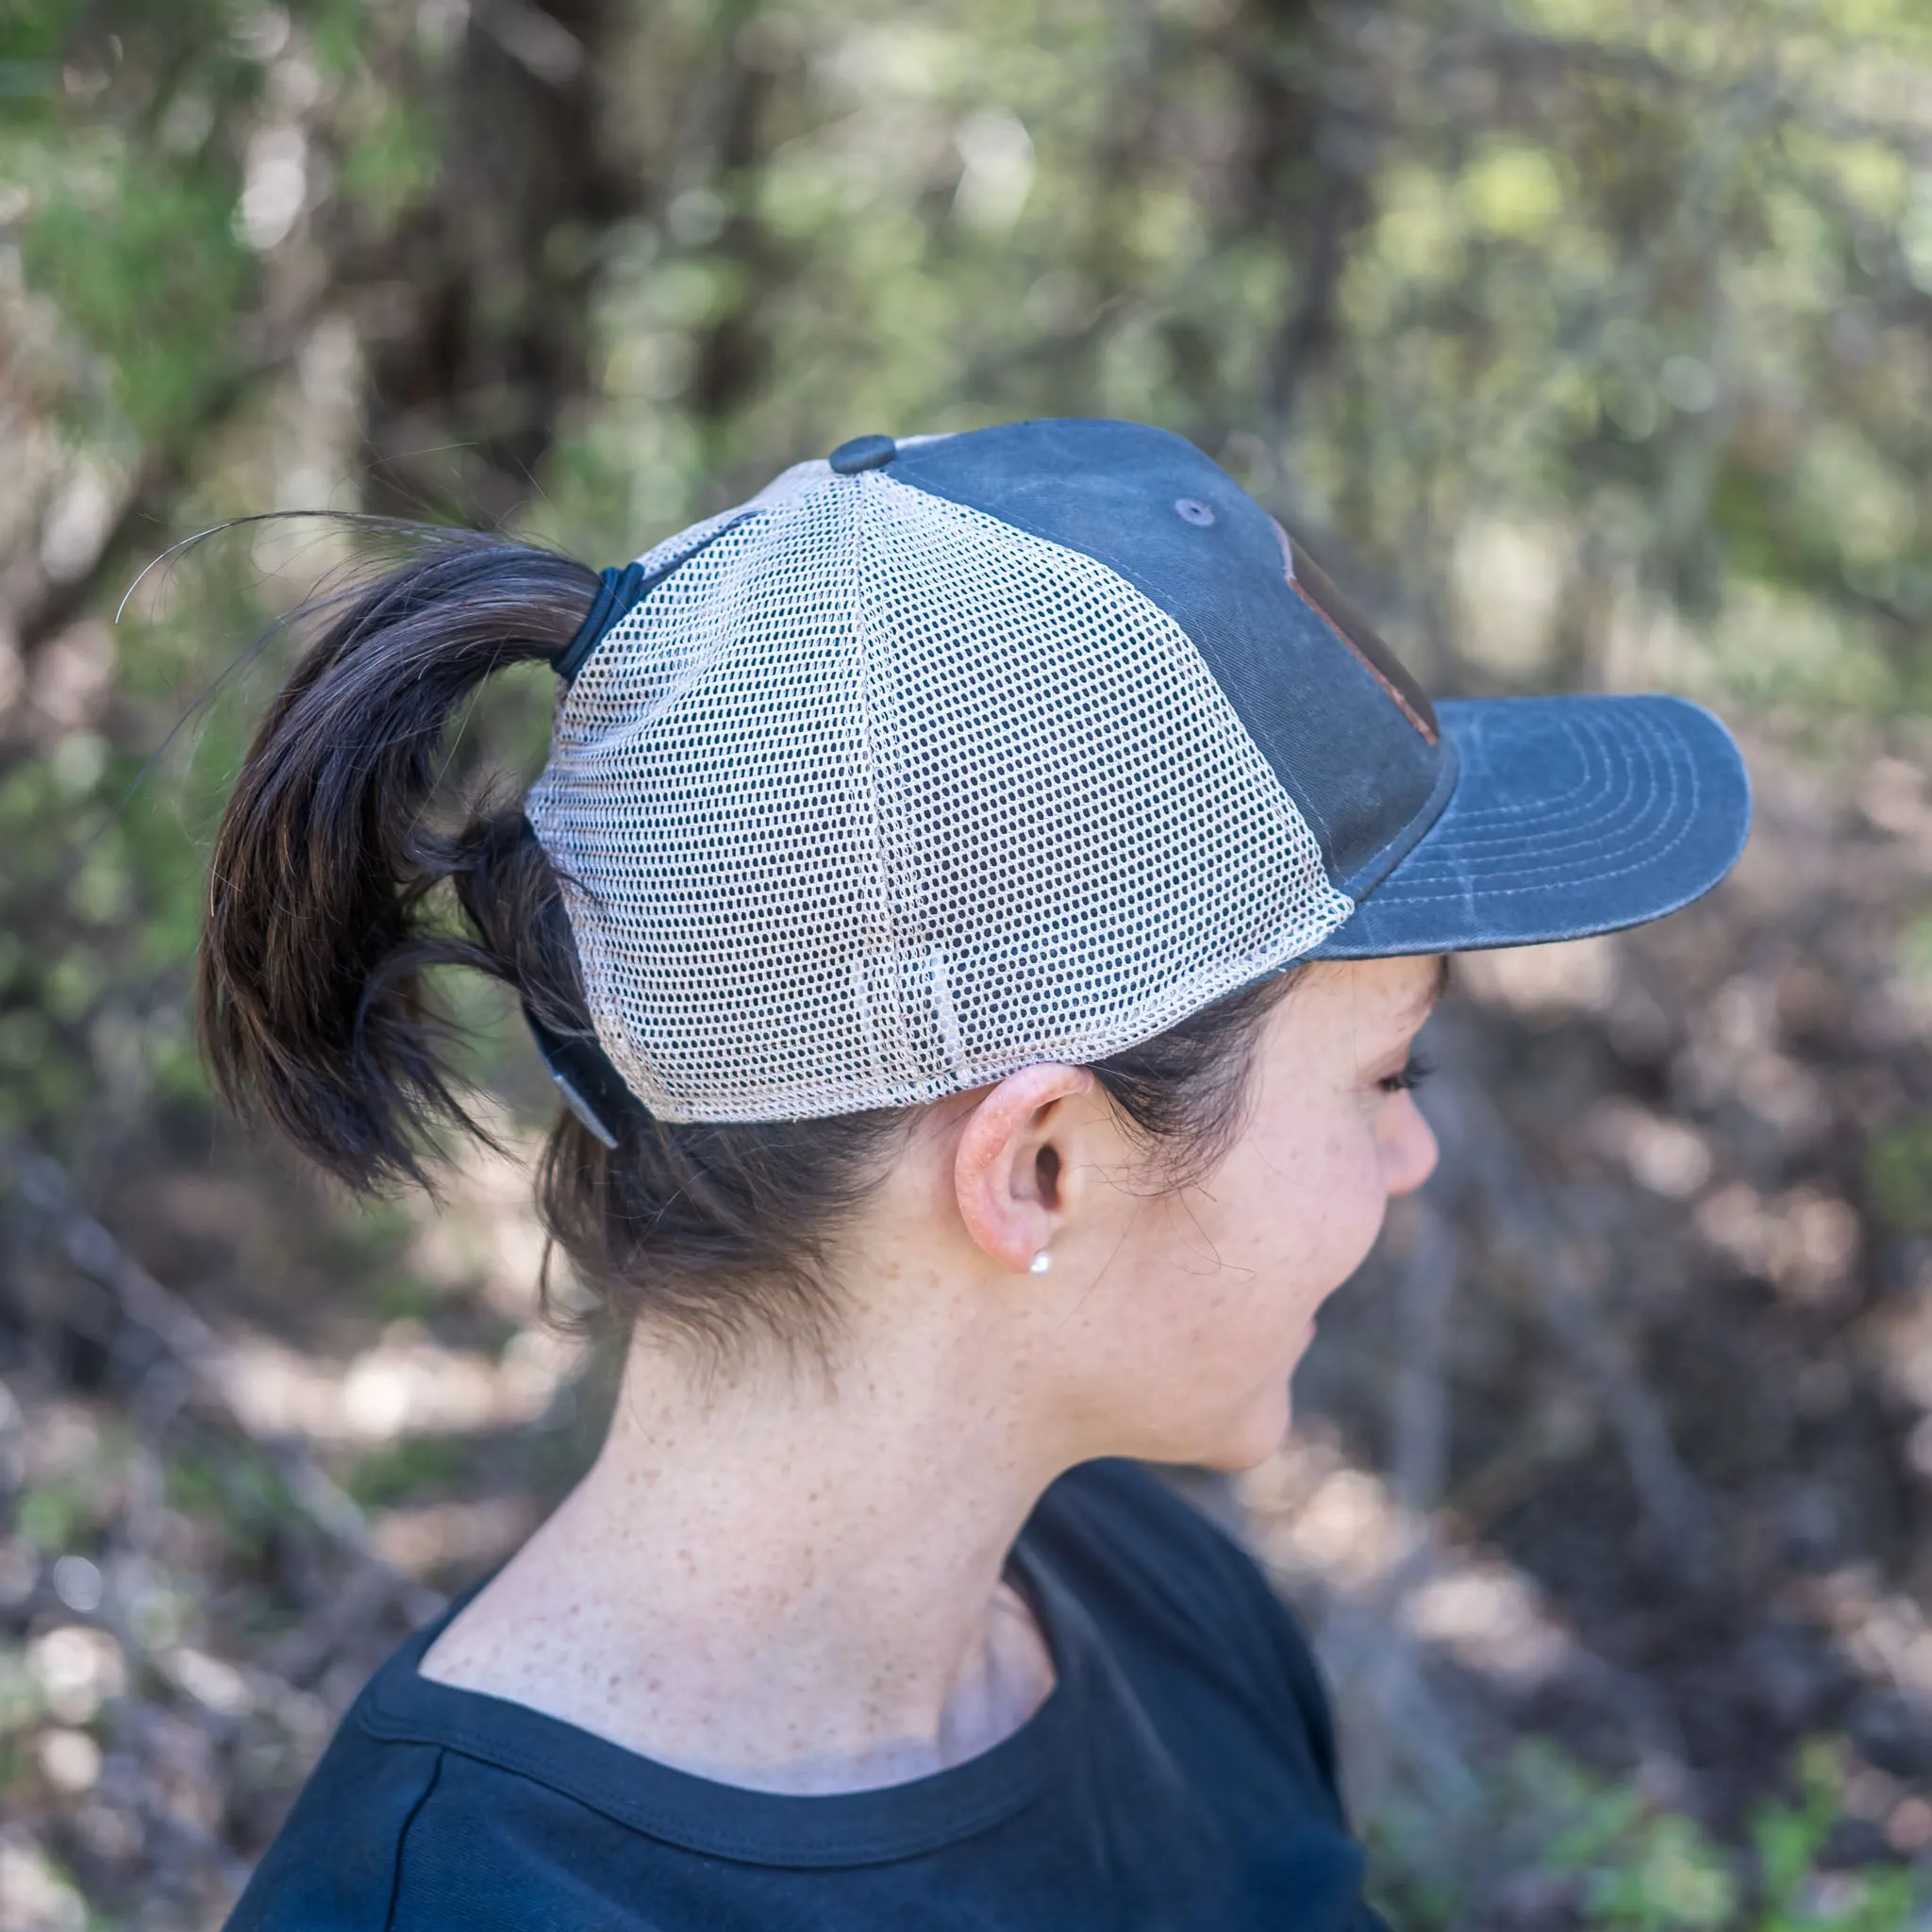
{"x":1409,"y":1152}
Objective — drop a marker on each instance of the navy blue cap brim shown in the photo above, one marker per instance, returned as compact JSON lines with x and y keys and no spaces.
{"x":1571,"y":816}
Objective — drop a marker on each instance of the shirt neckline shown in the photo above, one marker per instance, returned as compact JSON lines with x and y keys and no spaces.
{"x":700,"y":1814}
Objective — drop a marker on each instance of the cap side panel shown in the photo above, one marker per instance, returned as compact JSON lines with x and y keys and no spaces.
{"x":1132,"y":498}
{"x":891,"y":799}
{"x":1078,"y":813}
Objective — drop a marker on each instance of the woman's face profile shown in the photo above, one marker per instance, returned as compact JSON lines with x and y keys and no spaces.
{"x":1205,"y":1300}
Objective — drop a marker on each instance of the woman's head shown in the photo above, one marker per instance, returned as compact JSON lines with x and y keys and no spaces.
{"x":341,"y":879}
{"x":1029,"y":755}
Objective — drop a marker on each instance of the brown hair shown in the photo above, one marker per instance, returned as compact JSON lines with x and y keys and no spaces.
{"x":328,"y":907}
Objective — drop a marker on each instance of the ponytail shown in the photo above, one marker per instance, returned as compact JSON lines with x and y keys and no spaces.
{"x":310,"y":995}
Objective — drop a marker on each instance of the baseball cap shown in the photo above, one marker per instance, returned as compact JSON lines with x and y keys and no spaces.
{"x":945,"y":755}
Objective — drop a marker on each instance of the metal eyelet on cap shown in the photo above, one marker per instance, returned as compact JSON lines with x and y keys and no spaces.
{"x":863,"y":453}
{"x":1190,"y":509}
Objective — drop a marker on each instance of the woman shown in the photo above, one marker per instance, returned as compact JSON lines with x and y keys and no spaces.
{"x":978,"y":909}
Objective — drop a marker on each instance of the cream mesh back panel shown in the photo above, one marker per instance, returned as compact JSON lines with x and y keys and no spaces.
{"x":877,"y":798}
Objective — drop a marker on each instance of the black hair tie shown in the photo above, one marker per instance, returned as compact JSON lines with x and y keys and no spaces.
{"x":617,"y":590}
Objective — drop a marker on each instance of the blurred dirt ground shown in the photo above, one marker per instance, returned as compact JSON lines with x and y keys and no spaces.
{"x":1609,"y":1506}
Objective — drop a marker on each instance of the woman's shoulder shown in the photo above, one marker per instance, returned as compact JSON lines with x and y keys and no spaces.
{"x":334,"y":1865}
{"x":1112,"y":1528}
{"x":1157,"y":1573}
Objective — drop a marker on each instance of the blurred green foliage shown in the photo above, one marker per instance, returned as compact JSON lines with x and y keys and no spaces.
{"x":1790,"y":1840}
{"x":406,"y":1467}
{"x":1614,"y":1860}
{"x":1898,"y":1176}
{"x":1624,"y":315}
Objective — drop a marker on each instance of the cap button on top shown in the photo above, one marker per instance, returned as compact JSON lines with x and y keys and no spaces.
{"x":862,"y":452}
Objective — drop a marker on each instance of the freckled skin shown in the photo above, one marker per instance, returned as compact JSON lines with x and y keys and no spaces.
{"x":792,"y":1579}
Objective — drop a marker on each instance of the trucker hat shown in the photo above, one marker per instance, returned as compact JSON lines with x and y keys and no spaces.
{"x":948,"y":754}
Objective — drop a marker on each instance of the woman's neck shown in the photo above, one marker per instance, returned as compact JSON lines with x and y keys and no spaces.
{"x":783,"y":1582}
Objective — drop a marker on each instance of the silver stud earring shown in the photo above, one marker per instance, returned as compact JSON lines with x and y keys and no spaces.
{"x":1042,"y":1262}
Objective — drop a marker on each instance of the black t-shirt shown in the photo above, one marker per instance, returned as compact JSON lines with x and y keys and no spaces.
{"x":1179,"y":1777}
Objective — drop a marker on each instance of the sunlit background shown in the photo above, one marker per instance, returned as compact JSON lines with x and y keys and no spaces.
{"x":1587,"y":342}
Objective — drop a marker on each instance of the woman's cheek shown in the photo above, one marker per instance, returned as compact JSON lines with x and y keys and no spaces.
{"x":1357,"y":1204}
{"x":1311,"y":1204}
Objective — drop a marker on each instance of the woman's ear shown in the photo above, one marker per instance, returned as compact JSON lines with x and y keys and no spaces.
{"x":1010,"y":1170}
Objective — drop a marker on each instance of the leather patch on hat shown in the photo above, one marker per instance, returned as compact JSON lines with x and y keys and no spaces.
{"x":1308,"y":583}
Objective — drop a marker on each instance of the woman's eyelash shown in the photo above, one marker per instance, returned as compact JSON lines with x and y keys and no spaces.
{"x":1412,"y":1076}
